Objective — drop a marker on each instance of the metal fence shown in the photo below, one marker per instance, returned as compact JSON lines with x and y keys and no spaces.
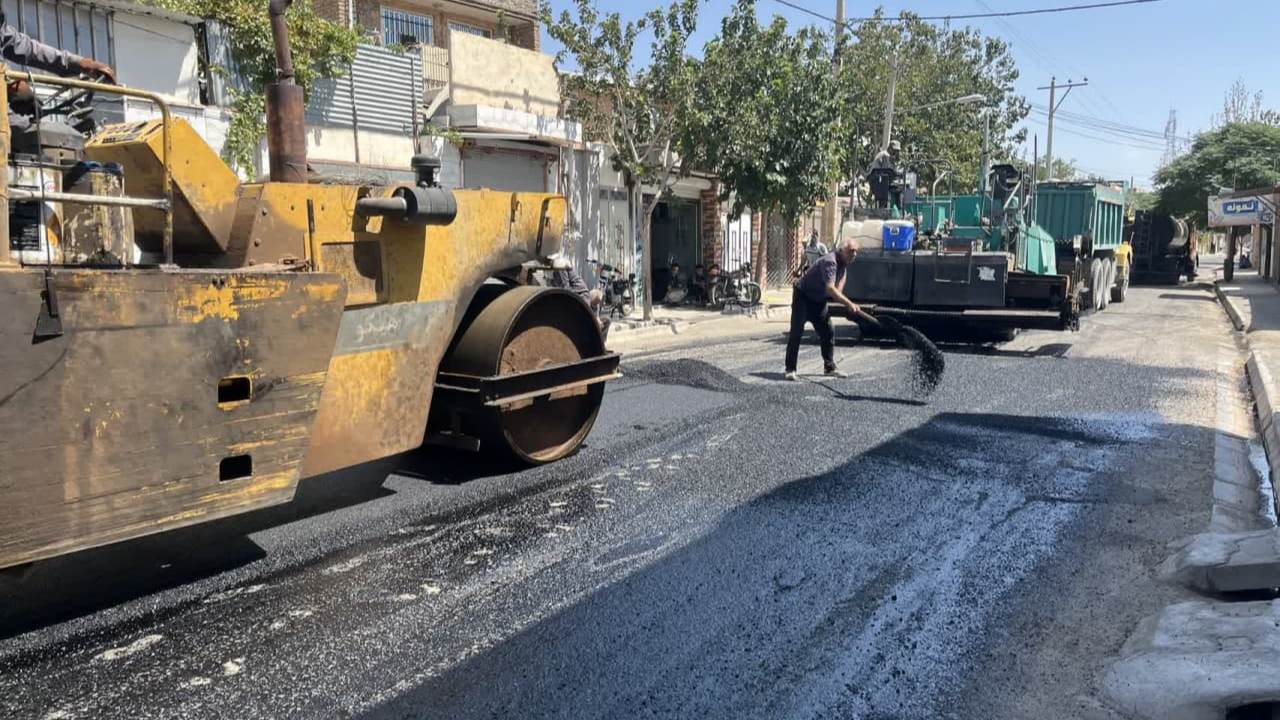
{"x":379,"y":92}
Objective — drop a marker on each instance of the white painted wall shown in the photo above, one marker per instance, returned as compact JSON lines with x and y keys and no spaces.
{"x":157,"y":55}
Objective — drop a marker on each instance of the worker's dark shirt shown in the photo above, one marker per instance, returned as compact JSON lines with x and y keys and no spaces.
{"x":569,"y":280}
{"x":21,"y":49}
{"x":827,"y":269}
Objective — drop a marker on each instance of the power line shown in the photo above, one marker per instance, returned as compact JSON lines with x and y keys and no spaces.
{"x":1137,"y":145}
{"x":1104,"y":124}
{"x":969,"y":16}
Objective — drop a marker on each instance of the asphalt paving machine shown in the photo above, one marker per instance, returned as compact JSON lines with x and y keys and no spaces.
{"x":1013,"y":255}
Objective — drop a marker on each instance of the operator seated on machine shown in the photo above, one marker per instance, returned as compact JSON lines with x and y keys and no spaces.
{"x":21,"y":49}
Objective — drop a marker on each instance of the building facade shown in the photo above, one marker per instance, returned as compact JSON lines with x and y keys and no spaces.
{"x":432,"y":22}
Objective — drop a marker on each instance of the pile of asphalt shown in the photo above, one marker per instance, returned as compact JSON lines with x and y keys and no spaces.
{"x":688,"y":372}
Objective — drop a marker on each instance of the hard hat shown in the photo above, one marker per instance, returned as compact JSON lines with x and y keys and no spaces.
{"x":895,"y":145}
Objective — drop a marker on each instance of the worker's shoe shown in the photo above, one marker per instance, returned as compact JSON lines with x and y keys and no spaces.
{"x":835,"y":373}
{"x":791,"y":376}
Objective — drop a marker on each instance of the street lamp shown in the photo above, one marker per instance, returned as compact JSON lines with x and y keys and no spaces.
{"x":889,"y":111}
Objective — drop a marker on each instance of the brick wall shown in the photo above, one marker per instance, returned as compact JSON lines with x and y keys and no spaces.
{"x":528,"y":35}
{"x":712,"y":228}
{"x":334,"y":10}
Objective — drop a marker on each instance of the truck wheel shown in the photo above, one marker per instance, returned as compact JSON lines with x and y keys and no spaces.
{"x":1108,"y":281}
{"x":1095,"y":284}
{"x":1119,"y":290}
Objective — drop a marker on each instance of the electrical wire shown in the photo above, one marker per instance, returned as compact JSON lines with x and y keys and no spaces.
{"x":1098,"y":123}
{"x":968,"y":16}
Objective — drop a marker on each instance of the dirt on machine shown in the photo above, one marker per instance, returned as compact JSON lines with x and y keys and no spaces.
{"x":180,"y":346}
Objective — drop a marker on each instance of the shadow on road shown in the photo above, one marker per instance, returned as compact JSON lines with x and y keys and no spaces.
{"x":890,"y":566}
{"x":72,"y":586}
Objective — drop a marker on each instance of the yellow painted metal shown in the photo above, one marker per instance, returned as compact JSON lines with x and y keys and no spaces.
{"x":402,"y":290}
{"x":166,"y":136}
{"x":204,"y":188}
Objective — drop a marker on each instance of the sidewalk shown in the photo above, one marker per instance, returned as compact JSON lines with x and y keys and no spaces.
{"x":1253,"y":304}
{"x":668,"y":321}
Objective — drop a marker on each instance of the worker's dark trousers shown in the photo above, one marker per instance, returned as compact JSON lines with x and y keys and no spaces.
{"x":805,"y":310}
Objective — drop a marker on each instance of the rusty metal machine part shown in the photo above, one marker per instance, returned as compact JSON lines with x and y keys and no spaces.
{"x":525,"y":373}
{"x":286,"y":128}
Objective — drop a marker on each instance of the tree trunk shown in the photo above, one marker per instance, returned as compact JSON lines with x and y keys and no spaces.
{"x":642,"y":215}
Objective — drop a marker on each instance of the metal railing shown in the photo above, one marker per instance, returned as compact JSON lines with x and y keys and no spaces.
{"x":166,"y":124}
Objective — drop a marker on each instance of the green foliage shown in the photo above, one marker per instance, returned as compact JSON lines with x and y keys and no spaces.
{"x":765,"y":114}
{"x":1239,"y":105}
{"x":1140,"y":199}
{"x":1237,"y":156}
{"x":448,"y":134}
{"x":935,"y":63}
{"x":1063,"y":169}
{"x":320,"y":49}
{"x":635,"y":110}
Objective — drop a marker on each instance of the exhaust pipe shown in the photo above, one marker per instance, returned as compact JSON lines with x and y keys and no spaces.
{"x":286,"y":129}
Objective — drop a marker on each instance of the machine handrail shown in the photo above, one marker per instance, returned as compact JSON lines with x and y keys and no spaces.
{"x":166,"y":122}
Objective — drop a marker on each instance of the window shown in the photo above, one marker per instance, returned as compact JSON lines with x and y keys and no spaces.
{"x":462,"y":27}
{"x":81,"y":29}
{"x":405,"y":28}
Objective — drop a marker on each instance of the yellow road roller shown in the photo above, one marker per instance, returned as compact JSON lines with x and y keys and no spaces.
{"x":178,"y":346}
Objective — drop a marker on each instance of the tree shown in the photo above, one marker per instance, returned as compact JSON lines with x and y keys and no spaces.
{"x":321,"y":49}
{"x":1239,"y":105}
{"x":765,"y":114}
{"x":1237,"y":155}
{"x":934,"y":63}
{"x":1063,"y":169}
{"x":1136,"y":199}
{"x":637,"y":111}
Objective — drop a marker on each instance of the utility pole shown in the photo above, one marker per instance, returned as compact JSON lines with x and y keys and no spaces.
{"x":831,"y":211}
{"x":1053,"y":108}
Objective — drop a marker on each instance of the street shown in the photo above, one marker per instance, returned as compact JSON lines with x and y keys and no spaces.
{"x":726,"y":545}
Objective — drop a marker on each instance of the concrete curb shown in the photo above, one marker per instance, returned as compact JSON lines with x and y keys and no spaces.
{"x":1229,"y":306}
{"x":1195,"y":660}
{"x":1261,"y":383}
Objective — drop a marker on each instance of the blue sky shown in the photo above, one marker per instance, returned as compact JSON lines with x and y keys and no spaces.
{"x":1141,"y":61}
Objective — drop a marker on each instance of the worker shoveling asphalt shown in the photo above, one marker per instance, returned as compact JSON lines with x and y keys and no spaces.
{"x":811,"y":296}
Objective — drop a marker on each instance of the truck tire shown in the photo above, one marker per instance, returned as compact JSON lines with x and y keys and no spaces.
{"x":1119,"y":290}
{"x":1108,"y":281}
{"x":1095,"y":284}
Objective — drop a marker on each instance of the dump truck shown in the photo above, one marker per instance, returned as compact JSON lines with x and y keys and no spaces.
{"x":1008,"y":257}
{"x":180,"y":346}
{"x":1163,"y":250}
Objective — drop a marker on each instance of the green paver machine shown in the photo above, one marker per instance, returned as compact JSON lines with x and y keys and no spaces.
{"x":1011,"y":256}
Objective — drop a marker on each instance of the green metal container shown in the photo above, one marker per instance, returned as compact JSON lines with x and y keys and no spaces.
{"x":1071,"y":210}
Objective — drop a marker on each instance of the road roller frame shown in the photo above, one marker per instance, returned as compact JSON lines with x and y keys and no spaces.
{"x":280,"y":330}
